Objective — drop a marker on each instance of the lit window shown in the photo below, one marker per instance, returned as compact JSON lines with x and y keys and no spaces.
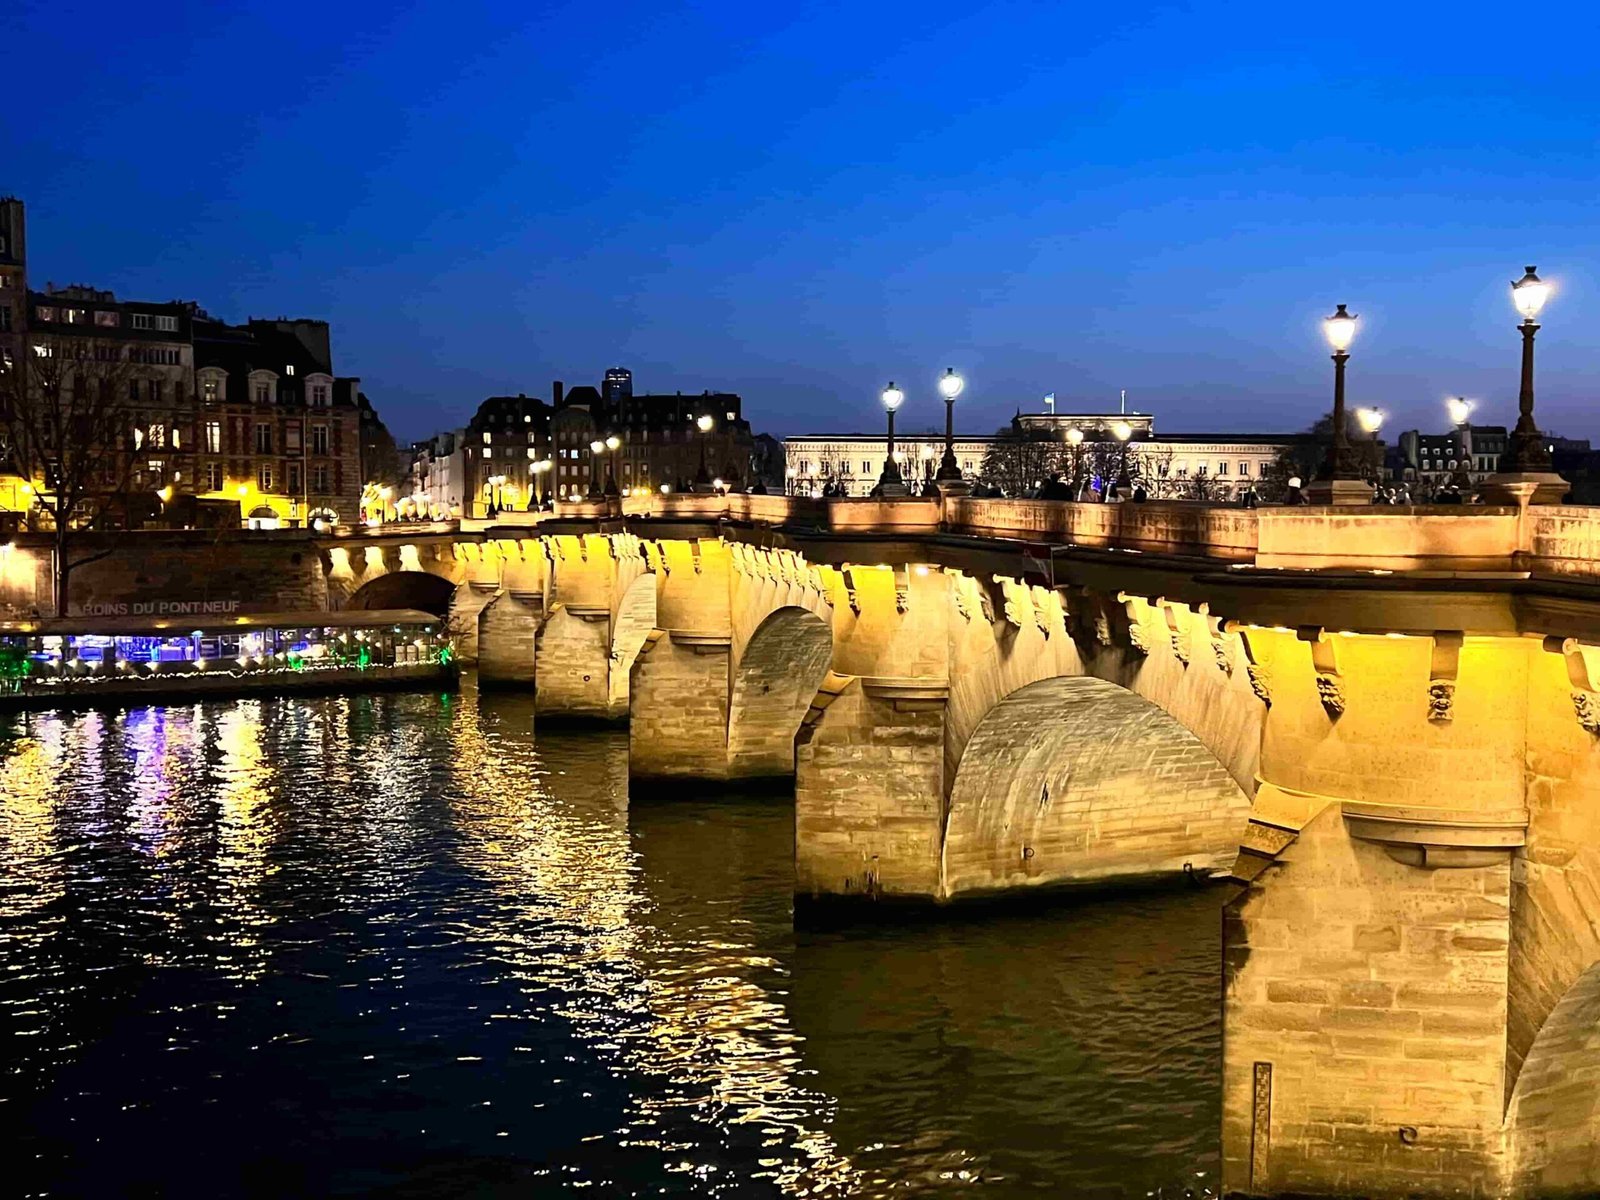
{"x":213,"y":437}
{"x":74,"y":316}
{"x":731,"y":417}
{"x":109,"y":320}
{"x":485,"y":437}
{"x":209,"y":389}
{"x":167,"y":324}
{"x":288,"y":369}
{"x":264,"y":478}
{"x":487,"y":452}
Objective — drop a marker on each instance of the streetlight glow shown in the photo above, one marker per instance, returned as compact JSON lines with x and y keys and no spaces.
{"x":1529,"y":295}
{"x":1122,"y":430}
{"x":1075,"y":436}
{"x":613,"y":442}
{"x":893,"y":397}
{"x":1460,"y":409}
{"x":705,"y":423}
{"x":950,"y":384}
{"x":1341,"y":329}
{"x":596,"y":446}
{"x":1370,"y":420}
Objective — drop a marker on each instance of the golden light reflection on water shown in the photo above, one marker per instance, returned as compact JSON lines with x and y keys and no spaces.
{"x":689,"y":1015}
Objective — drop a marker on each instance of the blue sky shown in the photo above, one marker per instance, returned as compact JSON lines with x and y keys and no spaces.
{"x":801,"y":202}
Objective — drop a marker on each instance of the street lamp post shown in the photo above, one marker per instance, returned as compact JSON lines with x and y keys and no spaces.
{"x":1339,"y":479}
{"x":702,"y":479}
{"x":1122,"y":431}
{"x":612,"y":443}
{"x":1527,"y":448}
{"x":1460,"y":410}
{"x":540,"y":491}
{"x":950,"y":385}
{"x":1525,"y":475}
{"x":890,"y":483}
{"x":596,"y":449}
{"x":1075,"y":440}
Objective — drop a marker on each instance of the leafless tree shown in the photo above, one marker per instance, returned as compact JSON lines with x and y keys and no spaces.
{"x":1019,"y":460}
{"x":69,"y":434}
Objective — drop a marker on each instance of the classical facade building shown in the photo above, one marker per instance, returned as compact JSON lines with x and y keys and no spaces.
{"x":277,"y":429}
{"x":520,"y":450}
{"x":1178,"y":466}
{"x":251,"y":415}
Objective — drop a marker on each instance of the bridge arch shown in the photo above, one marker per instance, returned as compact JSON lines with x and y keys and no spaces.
{"x":405,"y":589}
{"x":635,"y":621}
{"x":1077,"y":779}
{"x":773,"y":685}
{"x":1553,"y":1121}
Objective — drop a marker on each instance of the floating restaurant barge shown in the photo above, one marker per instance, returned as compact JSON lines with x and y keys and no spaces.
{"x":88,"y":660}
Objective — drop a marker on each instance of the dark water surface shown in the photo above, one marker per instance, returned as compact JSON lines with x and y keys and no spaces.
{"x":396,"y":945}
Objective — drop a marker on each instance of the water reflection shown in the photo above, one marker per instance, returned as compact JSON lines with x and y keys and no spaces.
{"x":398,"y":945}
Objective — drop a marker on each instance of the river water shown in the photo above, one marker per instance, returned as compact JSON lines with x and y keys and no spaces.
{"x":398,"y":945}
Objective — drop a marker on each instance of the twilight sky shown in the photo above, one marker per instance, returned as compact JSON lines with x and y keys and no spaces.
{"x":799,"y":202}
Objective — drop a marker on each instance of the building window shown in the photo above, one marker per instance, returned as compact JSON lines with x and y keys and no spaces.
{"x":292,"y":477}
{"x":213,"y":437}
{"x":485,"y":437}
{"x":167,"y":324}
{"x":319,"y":395}
{"x":866,"y":468}
{"x":107,"y":320}
{"x":319,"y":439}
{"x":319,"y":478}
{"x":213,"y":477}
{"x":263,"y":393}
{"x":1222,"y":469}
{"x":1244,"y":468}
{"x":288,"y":369}
{"x":263,"y":439}
{"x":158,"y":436}
{"x":141,"y":320}
{"x":209,"y":389}
{"x":264,"y":478}
{"x":44,"y":313}
{"x":291,"y":440}
{"x":5,"y":318}
{"x":487,"y":452}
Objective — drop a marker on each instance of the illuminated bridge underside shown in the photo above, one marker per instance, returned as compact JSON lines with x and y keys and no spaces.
{"x":1076,"y":780}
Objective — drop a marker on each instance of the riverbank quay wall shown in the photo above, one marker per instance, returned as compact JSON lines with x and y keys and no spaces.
{"x":1382,"y":723}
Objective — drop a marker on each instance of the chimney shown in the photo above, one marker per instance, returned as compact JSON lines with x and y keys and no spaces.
{"x":557,"y":389}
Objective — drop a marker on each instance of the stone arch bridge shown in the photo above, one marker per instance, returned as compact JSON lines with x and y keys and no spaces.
{"x":1381,"y":726}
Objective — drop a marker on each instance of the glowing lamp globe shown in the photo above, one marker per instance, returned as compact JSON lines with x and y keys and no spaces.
{"x":1370,"y":419}
{"x":1075,"y":436}
{"x":1460,"y":409}
{"x":950,"y":384}
{"x":613,"y":442}
{"x":893,"y":397}
{"x":1341,"y":330}
{"x":596,"y":446}
{"x":1529,"y":294}
{"x":1122,"y":430}
{"x":705,"y":424}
